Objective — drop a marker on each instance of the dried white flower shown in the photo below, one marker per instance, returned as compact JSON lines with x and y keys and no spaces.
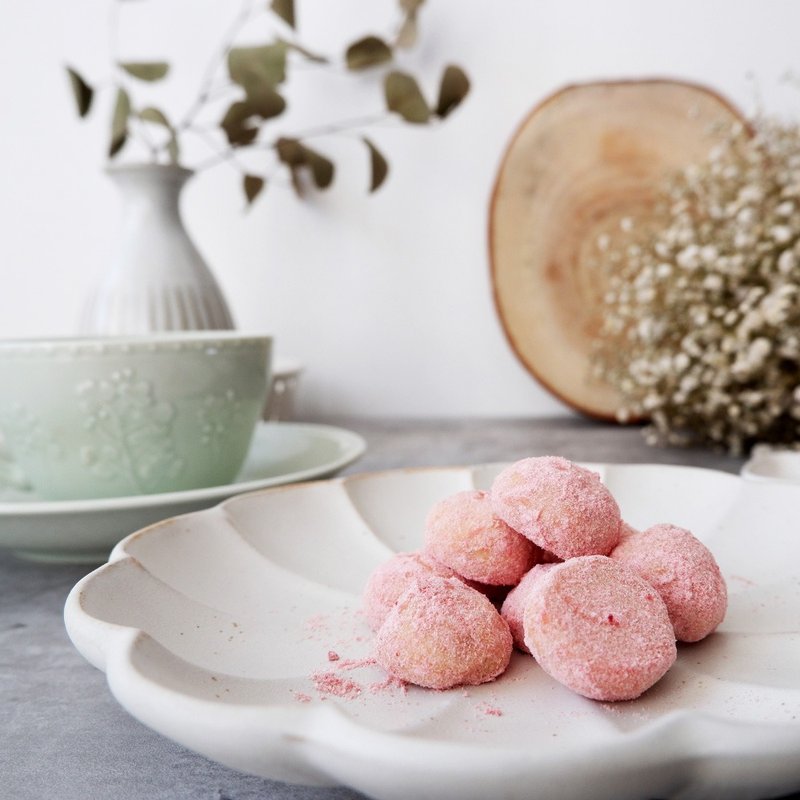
{"x":787,"y":262}
{"x":781,"y":233}
{"x":702,"y":329}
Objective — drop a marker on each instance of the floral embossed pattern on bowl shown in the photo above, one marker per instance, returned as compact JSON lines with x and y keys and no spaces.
{"x":112,"y":417}
{"x":236,"y":631}
{"x":84,"y":531}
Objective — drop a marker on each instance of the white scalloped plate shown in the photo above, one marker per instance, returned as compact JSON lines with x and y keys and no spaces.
{"x":221,"y":630}
{"x":84,"y":531}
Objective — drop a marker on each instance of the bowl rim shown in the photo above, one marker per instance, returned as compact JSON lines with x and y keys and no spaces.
{"x":119,"y":344}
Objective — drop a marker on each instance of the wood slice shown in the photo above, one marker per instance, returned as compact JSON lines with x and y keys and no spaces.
{"x":584,"y":159}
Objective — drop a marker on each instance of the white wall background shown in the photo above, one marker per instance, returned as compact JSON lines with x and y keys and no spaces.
{"x":385,"y":299}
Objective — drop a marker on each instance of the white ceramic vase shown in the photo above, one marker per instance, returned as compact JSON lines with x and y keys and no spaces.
{"x":158,"y":280}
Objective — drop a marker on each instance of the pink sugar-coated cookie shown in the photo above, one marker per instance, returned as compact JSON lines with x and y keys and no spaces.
{"x":626,"y":530}
{"x":685,"y":574}
{"x":560,"y":506}
{"x":390,"y":579}
{"x":441,"y":633}
{"x":513,"y":608}
{"x":462,"y":532}
{"x":599,"y":628}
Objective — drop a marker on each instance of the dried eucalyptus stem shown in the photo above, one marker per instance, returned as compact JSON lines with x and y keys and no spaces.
{"x":254,"y":81}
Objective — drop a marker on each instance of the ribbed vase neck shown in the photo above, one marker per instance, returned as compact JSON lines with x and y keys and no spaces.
{"x":158,"y":184}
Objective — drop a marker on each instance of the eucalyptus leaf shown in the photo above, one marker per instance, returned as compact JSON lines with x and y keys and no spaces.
{"x":379,"y":167}
{"x":252,"y":185}
{"x":117,"y":143}
{"x":155,"y":115}
{"x":235,"y":124}
{"x":290,"y":152}
{"x":322,"y":169}
{"x":119,"y":122}
{"x":297,"y":156}
{"x":173,"y":149}
{"x":367,"y":52}
{"x":146,"y":70}
{"x":285,"y":10}
{"x":452,"y":90}
{"x":265,"y":64}
{"x":404,"y":97}
{"x":262,"y":99}
{"x":81,"y":91}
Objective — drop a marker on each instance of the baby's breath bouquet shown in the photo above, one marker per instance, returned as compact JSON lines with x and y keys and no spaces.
{"x":702,"y":317}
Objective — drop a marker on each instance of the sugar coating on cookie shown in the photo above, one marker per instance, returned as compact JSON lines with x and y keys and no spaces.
{"x":559,"y":505}
{"x":513,"y":608}
{"x":627,"y":530}
{"x":562,"y":507}
{"x":684,"y":572}
{"x":600,"y":629}
{"x":389,"y":580}
{"x":441,"y":633}
{"x":462,"y":532}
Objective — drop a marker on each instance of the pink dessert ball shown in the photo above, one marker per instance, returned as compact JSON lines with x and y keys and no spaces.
{"x":685,"y":574}
{"x":563,"y":508}
{"x":462,"y":532}
{"x":390,"y":579}
{"x":599,"y":628}
{"x":441,"y":633}
{"x":513,"y":608}
{"x":626,"y":531}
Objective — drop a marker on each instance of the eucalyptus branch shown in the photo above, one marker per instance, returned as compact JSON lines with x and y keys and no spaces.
{"x":221,"y":155}
{"x":343,"y":126}
{"x":249,"y":82}
{"x":242,"y":18}
{"x":141,"y":131}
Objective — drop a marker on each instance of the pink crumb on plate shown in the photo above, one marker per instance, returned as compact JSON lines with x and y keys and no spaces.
{"x":685,"y":574}
{"x":329,"y":683}
{"x":596,"y":626}
{"x":462,"y":532}
{"x":442,"y":633}
{"x":562,"y":507}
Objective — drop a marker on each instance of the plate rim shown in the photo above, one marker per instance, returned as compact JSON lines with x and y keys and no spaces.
{"x":356,"y":446}
{"x":108,"y":646}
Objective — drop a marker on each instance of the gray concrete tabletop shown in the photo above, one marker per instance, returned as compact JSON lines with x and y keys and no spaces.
{"x":62,"y":735}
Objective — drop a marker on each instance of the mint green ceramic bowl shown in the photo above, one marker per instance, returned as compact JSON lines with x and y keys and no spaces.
{"x":112,"y":417}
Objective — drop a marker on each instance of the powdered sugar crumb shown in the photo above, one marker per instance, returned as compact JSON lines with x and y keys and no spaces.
{"x":356,"y":663}
{"x":316,"y":623}
{"x":329,"y":683}
{"x":390,"y":683}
